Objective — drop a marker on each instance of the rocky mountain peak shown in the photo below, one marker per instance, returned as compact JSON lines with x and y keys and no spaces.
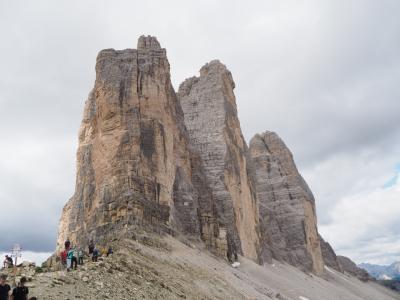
{"x":210,"y":114}
{"x":287,"y":209}
{"x":272,"y":139}
{"x":134,"y":165}
{"x":155,"y":160}
{"x":215,"y":69}
{"x":148,"y":43}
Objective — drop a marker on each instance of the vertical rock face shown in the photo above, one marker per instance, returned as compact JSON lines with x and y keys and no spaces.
{"x":287,"y":209}
{"x":134,"y":165}
{"x":210,"y":115}
{"x":329,"y":256}
{"x":148,"y":157}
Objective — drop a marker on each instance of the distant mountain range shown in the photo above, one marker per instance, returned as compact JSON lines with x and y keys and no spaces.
{"x":383,"y":272}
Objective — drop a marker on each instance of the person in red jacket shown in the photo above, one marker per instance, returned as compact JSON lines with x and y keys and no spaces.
{"x":63,"y":256}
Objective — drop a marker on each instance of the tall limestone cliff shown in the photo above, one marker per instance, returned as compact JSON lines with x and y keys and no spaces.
{"x":210,"y":114}
{"x":151,"y":158}
{"x":134,"y":165}
{"x":287,"y":207}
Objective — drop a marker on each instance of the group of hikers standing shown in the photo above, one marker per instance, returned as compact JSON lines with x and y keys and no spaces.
{"x":72,"y":256}
{"x":20,"y":292}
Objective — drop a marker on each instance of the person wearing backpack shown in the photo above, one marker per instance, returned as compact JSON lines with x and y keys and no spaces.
{"x":95,"y":254}
{"x":74,"y":260}
{"x":91,"y":247}
{"x":70,"y":255}
{"x":63,"y":257}
{"x":67,"y":244}
{"x":80,"y":256}
{"x":21,"y":291}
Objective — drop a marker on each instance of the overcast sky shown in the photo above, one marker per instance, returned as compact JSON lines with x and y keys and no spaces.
{"x":324,"y":75}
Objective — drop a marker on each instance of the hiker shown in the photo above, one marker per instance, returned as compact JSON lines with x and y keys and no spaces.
{"x":80,"y":256}
{"x":5,"y":289}
{"x":95,"y":255}
{"x":70,"y":254}
{"x":91,"y":247}
{"x":109,"y":251}
{"x":21,"y":291}
{"x":67,"y":244}
{"x":74,"y":261}
{"x":8,"y":262}
{"x":63,"y":256}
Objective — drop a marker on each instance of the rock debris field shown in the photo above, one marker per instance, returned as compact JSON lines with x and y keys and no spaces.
{"x":167,"y":268}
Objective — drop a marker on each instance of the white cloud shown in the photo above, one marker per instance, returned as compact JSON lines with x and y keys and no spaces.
{"x":36,"y":180}
{"x":365,"y":225}
{"x":345,"y":174}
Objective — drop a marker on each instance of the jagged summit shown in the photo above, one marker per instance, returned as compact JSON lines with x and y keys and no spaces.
{"x":271,"y":139}
{"x":287,"y":208}
{"x":215,"y":68}
{"x":148,"y":42}
{"x":210,"y":115}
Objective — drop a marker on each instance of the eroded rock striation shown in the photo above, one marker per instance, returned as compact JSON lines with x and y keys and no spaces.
{"x":210,"y":114}
{"x":287,"y":206}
